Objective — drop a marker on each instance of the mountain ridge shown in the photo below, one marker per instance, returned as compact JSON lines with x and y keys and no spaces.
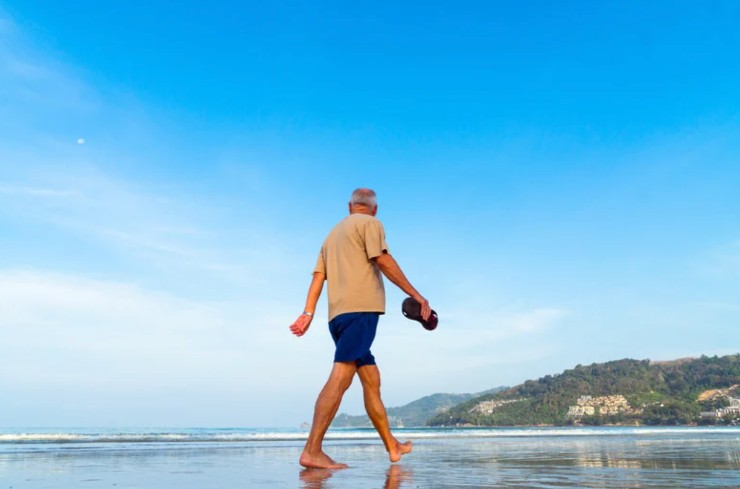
{"x":414,"y":414}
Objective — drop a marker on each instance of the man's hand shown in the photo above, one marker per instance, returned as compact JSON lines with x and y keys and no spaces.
{"x":300,"y":326}
{"x":426,"y":310}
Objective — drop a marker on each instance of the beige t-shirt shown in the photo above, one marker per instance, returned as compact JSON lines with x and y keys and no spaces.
{"x":353,"y":279}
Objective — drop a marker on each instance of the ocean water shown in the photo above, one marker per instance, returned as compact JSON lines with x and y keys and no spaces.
{"x":611,"y":457}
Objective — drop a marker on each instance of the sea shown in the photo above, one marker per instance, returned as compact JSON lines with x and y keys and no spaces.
{"x":568,"y":457}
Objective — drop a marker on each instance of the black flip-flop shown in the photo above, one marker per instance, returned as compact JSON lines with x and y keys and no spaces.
{"x":412,"y":310}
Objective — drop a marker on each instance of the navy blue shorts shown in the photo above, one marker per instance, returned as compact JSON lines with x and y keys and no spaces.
{"x":353,"y":334}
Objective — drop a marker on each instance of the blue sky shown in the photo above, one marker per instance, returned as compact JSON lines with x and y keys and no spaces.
{"x":559,"y":179}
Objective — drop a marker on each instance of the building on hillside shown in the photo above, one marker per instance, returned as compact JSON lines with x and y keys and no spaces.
{"x":599,"y":406}
{"x":487,"y":407}
{"x":733,"y":408}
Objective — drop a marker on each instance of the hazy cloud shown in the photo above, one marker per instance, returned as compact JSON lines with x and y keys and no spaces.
{"x":721,"y":260}
{"x":54,"y":325}
{"x":35,"y":192}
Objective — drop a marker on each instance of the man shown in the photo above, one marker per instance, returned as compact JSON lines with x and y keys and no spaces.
{"x":351,"y":261}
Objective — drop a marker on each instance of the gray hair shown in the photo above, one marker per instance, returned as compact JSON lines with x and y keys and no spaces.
{"x":364,"y":196}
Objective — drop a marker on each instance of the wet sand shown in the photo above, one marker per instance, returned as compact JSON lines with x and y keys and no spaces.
{"x":656,"y":461}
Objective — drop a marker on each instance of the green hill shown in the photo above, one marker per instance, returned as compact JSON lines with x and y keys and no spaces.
{"x":700,"y":390}
{"x":415,"y":413}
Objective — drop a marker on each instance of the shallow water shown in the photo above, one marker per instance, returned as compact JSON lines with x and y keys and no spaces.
{"x":506,"y":458}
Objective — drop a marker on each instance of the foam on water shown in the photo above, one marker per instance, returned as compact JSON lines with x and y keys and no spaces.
{"x":228,"y":435}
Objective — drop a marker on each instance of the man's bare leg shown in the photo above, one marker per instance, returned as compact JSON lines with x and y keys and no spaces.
{"x":370,"y":378}
{"x":326,"y":408}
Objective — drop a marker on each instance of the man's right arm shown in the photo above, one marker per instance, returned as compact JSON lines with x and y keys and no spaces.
{"x":390,"y":268}
{"x":300,"y":326}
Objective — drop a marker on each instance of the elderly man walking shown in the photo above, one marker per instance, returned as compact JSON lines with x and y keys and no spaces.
{"x":351,"y":261}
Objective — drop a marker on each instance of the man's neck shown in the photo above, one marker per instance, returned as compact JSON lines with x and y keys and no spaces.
{"x":361,"y":209}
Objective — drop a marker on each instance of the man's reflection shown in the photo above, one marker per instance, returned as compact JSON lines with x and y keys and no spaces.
{"x":395,"y":477}
{"x":314,"y":478}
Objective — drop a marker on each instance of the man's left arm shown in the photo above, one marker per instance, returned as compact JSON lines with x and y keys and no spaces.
{"x":390,"y":268}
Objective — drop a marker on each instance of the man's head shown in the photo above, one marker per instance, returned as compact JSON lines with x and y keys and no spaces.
{"x":363,"y":201}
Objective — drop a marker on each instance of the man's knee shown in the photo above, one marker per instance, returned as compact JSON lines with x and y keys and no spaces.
{"x":370,"y":377}
{"x":343,"y":374}
{"x":346,"y":383}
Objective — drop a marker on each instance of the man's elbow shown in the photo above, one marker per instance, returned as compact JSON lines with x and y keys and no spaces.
{"x":384,"y":261}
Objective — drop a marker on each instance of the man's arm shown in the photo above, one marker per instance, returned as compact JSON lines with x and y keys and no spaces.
{"x":300,"y":326}
{"x":393,"y":272}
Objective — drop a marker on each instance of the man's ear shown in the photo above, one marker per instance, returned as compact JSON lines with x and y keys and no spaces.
{"x":375,"y":210}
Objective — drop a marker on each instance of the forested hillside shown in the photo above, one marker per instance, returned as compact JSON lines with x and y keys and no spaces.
{"x":702,"y":390}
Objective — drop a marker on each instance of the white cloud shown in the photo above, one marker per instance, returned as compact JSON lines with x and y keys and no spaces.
{"x":530,"y":321}
{"x":107,"y":348}
{"x":34,"y":192}
{"x":166,"y":227}
{"x":46,"y":316}
{"x":487,"y":325}
{"x":730,"y":255}
{"x":719,"y":305}
{"x":721,"y":260}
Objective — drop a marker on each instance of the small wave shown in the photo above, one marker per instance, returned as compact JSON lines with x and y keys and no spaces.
{"x":41,"y":438}
{"x":234,"y":435}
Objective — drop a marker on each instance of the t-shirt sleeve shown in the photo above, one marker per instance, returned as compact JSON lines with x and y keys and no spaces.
{"x":375,"y":244}
{"x":320,"y":264}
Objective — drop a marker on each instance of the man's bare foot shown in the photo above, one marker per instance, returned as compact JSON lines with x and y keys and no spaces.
{"x":319,"y":461}
{"x":399,"y":450}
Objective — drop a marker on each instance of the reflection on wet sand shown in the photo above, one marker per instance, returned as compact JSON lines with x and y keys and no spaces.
{"x":660,"y":461}
{"x":607,"y":461}
{"x":395,"y":477}
{"x":314,"y":478}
